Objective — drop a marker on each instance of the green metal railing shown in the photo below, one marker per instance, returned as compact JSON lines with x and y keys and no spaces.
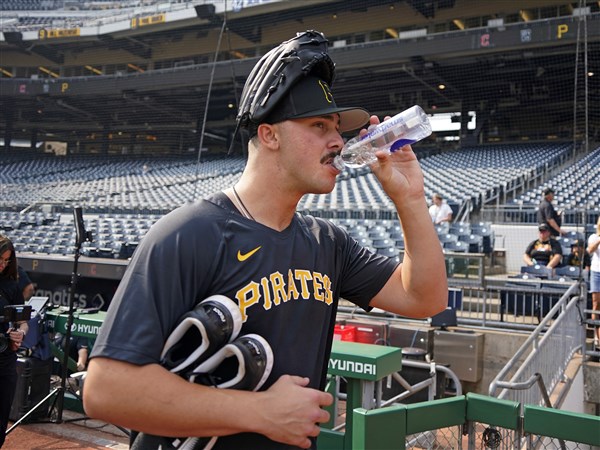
{"x":470,"y":421}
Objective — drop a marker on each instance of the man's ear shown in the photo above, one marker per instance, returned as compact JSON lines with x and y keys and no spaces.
{"x":268,"y":135}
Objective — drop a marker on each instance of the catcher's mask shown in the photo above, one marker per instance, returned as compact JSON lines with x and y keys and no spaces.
{"x":277,"y":72}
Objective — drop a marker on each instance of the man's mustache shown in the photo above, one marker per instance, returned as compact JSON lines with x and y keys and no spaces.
{"x":329,"y":156}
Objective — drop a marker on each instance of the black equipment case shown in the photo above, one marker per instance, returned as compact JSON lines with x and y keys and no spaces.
{"x":33,"y":384}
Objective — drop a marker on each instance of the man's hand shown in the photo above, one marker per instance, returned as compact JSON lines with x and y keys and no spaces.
{"x":291,"y":411}
{"x":410,"y":292}
{"x":399,"y":173}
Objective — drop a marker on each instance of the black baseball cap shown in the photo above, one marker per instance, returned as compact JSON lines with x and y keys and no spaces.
{"x":311,"y":97}
{"x":543,"y":227}
{"x":548,"y":191}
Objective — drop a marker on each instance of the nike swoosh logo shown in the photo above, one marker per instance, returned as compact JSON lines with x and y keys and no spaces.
{"x":243,"y":257}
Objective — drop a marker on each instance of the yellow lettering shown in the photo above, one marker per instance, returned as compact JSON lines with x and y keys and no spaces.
{"x":562,"y":29}
{"x":264,"y":282}
{"x":278,"y":284}
{"x":318,"y":286}
{"x":304,"y":276}
{"x":276,"y":289}
{"x":247,"y":297}
{"x":292,"y":292}
{"x":328,"y":291}
{"x":64,"y":87}
{"x":34,"y":264}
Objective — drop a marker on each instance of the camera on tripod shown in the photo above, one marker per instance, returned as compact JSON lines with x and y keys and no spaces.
{"x":12,"y":314}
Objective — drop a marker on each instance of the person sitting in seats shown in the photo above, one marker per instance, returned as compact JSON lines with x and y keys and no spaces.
{"x":78,"y":349}
{"x":578,"y":254}
{"x":544,"y":251}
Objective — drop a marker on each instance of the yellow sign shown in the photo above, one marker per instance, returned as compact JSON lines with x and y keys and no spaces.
{"x":58,"y":33}
{"x":562,"y":29}
{"x":148,"y":20}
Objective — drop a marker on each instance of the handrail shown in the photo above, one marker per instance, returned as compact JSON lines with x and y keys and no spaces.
{"x":532,"y":341}
{"x":429,"y":383}
{"x":411,"y":389}
{"x":523,"y":385}
{"x":464,"y":212}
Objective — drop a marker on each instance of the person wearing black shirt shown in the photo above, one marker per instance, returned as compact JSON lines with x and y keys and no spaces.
{"x":25,"y":284}
{"x":286,"y":272}
{"x":548,"y":215}
{"x":10,"y":294}
{"x":578,"y":254}
{"x":544,"y":251}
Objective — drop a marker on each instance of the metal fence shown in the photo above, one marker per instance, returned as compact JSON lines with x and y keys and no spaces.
{"x":539,"y":365}
{"x":472,"y":422}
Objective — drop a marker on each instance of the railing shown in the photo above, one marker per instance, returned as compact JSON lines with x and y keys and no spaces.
{"x":527,"y":213}
{"x":508,"y":303}
{"x":545,"y":354}
{"x":501,"y":303}
{"x":472,"y":422}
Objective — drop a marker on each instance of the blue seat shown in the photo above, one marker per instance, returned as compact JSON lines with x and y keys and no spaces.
{"x":447,"y":237}
{"x":391,"y":252}
{"x":382,"y":243}
{"x":474,"y":243}
{"x":537,"y":270}
{"x":455,"y":246}
{"x":572,"y":272}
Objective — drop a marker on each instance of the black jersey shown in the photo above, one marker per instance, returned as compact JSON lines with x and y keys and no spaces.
{"x":287,"y":285}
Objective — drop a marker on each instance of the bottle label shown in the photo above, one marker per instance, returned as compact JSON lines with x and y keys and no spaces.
{"x":401,"y":143}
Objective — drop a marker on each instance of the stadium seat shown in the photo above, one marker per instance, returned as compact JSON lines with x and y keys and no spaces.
{"x":537,"y":270}
{"x":474,"y":243}
{"x":455,"y":246}
{"x":572,"y":272}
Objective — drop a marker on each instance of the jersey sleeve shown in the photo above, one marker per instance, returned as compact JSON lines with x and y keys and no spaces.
{"x":158,"y":287}
{"x":365,"y":273}
{"x":529,"y":248}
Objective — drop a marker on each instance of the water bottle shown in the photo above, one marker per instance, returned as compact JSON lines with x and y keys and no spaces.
{"x":404,"y":128}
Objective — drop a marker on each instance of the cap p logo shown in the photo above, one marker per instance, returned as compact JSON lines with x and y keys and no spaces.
{"x":326,"y":91}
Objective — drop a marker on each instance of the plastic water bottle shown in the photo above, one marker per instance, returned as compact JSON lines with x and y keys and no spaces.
{"x":404,"y":128}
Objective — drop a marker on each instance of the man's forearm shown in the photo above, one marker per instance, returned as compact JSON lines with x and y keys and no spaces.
{"x":126,"y":395}
{"x":423,"y":255}
{"x":554,"y":261}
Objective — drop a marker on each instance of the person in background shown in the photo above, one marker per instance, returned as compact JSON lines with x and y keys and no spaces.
{"x":10,"y":294}
{"x":78,"y":349}
{"x":440,"y":211}
{"x":544,"y":251}
{"x":593,"y":248}
{"x":285,"y":271}
{"x":579,"y":257}
{"x":548,"y":215}
{"x":25,"y":284}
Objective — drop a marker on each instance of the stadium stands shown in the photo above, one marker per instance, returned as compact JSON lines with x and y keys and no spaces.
{"x":123,"y":196}
{"x":576,"y":186}
{"x":28,"y":15}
